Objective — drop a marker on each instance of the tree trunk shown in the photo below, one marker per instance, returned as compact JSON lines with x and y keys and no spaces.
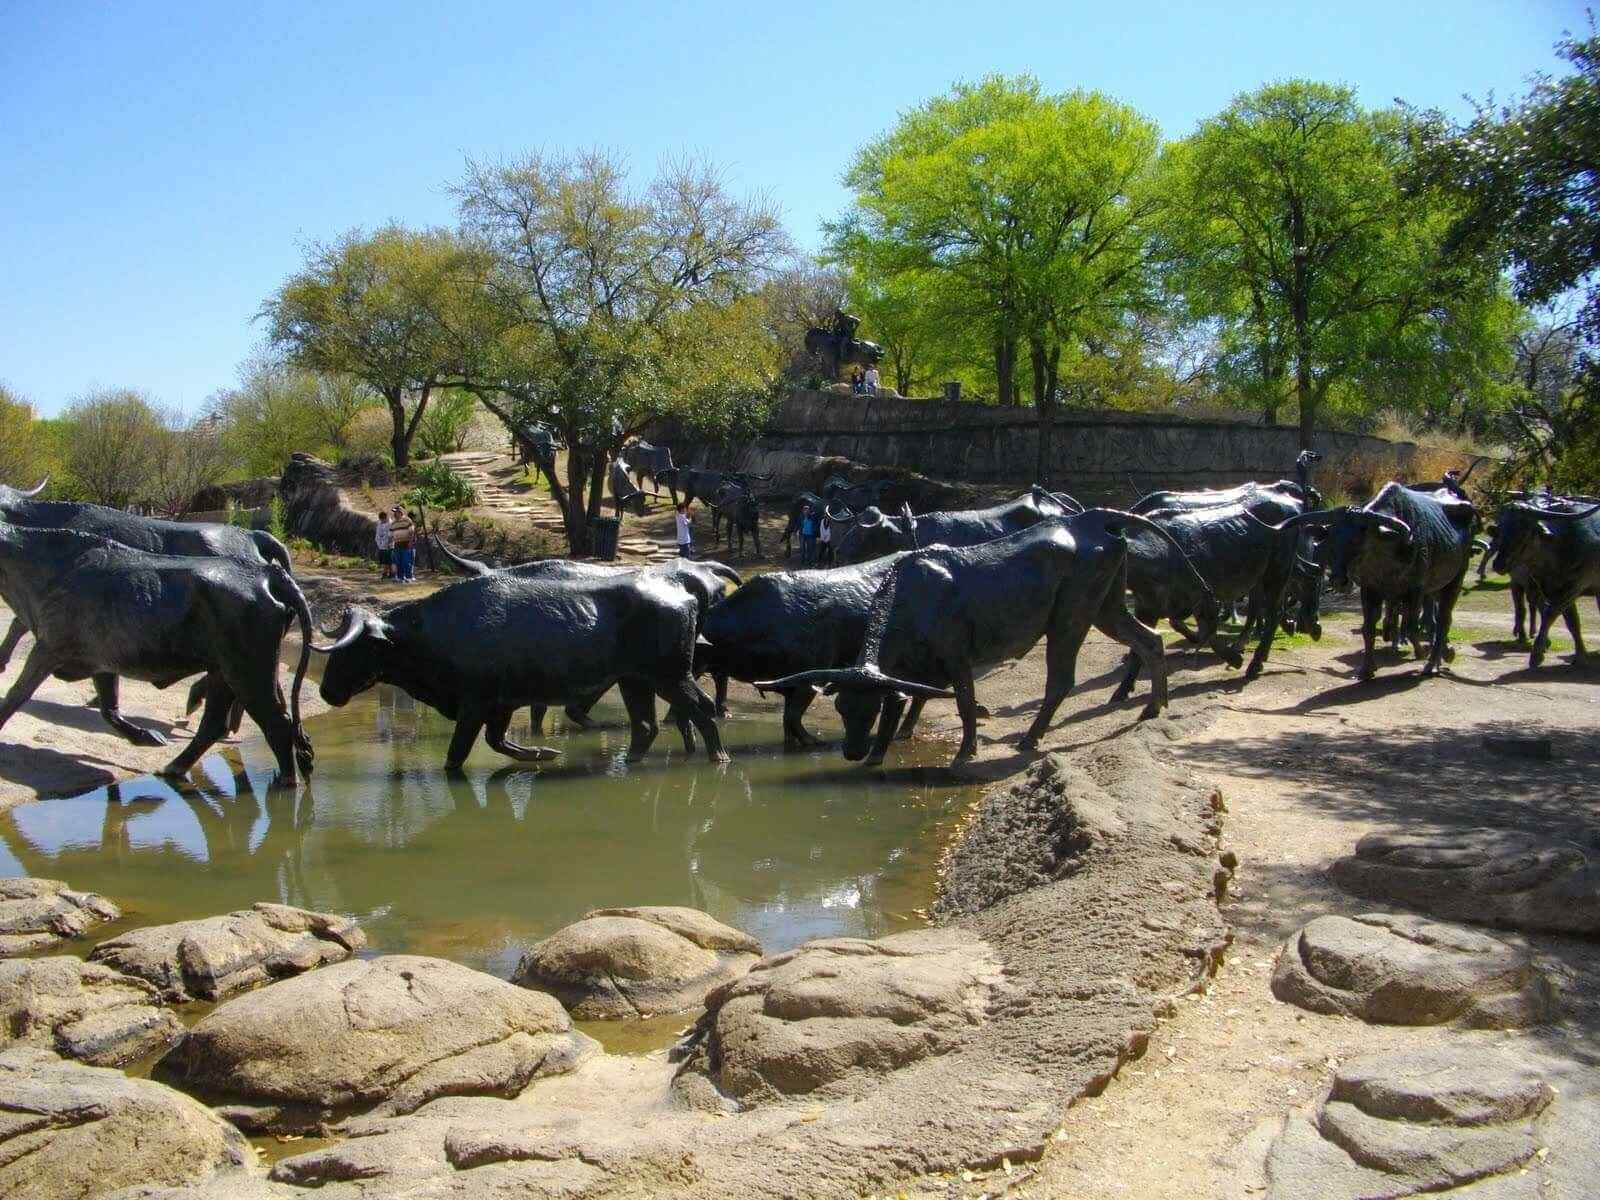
{"x":571,"y":498}
{"x":399,"y":443}
{"x":1045,"y":364}
{"x":1300,"y":309}
{"x":1005,"y":371}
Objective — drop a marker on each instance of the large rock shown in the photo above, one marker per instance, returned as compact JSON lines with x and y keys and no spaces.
{"x":385,"y":1034}
{"x":1407,"y":970}
{"x":214,"y":957}
{"x":832,"y":1008}
{"x":83,"y":1011}
{"x":1495,"y":877}
{"x":73,"y":1131}
{"x":1410,"y":1123}
{"x":36,"y":914}
{"x":637,"y":962}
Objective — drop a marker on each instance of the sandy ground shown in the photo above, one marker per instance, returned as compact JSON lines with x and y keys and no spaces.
{"x":1308,"y":761}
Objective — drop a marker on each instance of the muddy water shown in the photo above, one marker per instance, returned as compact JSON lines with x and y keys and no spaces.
{"x":787,"y":846}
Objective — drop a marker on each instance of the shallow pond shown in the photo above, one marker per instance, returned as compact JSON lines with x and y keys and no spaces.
{"x":787,"y":846}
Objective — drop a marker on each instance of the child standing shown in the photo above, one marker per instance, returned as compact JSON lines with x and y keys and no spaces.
{"x":385,"y":540}
{"x":685,"y":534}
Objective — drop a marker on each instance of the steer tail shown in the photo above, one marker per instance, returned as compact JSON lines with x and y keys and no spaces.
{"x":1115,"y":518}
{"x":286,"y":590}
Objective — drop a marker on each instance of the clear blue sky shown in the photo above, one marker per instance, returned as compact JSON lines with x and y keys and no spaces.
{"x":161,"y":165}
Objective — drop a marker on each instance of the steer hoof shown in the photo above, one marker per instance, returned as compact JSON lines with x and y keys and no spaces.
{"x":1150,"y":711}
{"x":724,"y":713}
{"x":1366,"y":675}
{"x":1028,"y":744}
{"x":721,"y":756}
{"x":145,"y":737}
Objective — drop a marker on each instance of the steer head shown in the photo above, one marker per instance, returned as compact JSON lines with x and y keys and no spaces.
{"x":1366,"y":545}
{"x":356,"y":657}
{"x":872,"y":536}
{"x":861,"y":694}
{"x":1526,"y":532}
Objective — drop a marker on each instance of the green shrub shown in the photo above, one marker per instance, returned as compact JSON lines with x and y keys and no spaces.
{"x":370,"y":431}
{"x":447,"y":422}
{"x":437,"y":486}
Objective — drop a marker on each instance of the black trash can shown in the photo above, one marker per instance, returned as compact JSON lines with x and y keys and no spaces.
{"x":603,"y":535}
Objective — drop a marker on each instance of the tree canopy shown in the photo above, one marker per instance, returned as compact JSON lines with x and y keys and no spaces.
{"x":376,"y":308}
{"x":1023,"y":214}
{"x":602,"y":307}
{"x":1287,"y":220}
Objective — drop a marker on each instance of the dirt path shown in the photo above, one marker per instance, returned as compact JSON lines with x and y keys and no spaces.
{"x":1308,"y":761}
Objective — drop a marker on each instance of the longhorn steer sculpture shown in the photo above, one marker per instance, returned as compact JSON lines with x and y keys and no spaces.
{"x":100,"y":610}
{"x":1225,"y":552}
{"x":792,"y":621}
{"x":873,"y":534}
{"x":484,"y":647}
{"x":651,"y":462}
{"x":1403,"y":545}
{"x":1558,"y":553}
{"x":184,"y":539}
{"x":946,"y":613}
{"x":1299,"y":489}
{"x":708,"y":582}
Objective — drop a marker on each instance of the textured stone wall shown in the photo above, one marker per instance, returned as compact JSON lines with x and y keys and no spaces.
{"x":1097,"y":454}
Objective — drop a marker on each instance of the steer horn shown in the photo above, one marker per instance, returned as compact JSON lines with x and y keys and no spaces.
{"x":1395,"y":524}
{"x":1548,"y":513}
{"x":838,"y":518}
{"x":354,"y":624}
{"x":874,"y":512}
{"x":35,"y":489}
{"x":911,"y":524}
{"x":855,"y":679}
{"x":1067,"y":502}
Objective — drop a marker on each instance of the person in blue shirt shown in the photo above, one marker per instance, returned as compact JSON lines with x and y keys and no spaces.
{"x":808,"y":537}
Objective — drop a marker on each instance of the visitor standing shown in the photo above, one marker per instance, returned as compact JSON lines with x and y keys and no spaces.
{"x":824,"y":540}
{"x":857,"y":381}
{"x":808,"y":537}
{"x":685,"y":534}
{"x":403,"y":534}
{"x":384,"y":539}
{"x":872,"y":381}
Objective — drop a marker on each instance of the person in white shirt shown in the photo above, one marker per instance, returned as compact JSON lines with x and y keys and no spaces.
{"x":872,"y":381}
{"x":385,"y":540}
{"x":825,"y":541}
{"x":685,"y":534}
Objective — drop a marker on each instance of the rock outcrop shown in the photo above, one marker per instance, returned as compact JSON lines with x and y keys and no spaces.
{"x":618,"y":963}
{"x":1499,"y":877}
{"x":811,"y":1017}
{"x":214,"y":957}
{"x":36,"y":914}
{"x":1407,"y":970}
{"x":386,"y":1034}
{"x":73,"y":1131}
{"x":1471,"y":1116}
{"x":83,"y":1011}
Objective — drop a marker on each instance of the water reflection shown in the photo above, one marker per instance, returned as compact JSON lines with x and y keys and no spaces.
{"x":474,"y":866}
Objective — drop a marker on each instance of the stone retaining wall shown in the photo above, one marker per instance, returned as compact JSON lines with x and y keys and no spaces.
{"x":1097,"y":454}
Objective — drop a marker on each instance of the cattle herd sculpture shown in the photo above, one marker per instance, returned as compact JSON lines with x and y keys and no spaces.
{"x":918,"y":607}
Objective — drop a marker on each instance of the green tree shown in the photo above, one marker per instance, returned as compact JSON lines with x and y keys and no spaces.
{"x":277,"y":409}
{"x":1031,"y":210}
{"x":607,"y":307}
{"x":374,"y":308}
{"x":113,"y":440}
{"x":26,"y":449}
{"x":448,"y":422}
{"x":1287,"y":221}
{"x":190,"y":455}
{"x":1524,"y":175}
